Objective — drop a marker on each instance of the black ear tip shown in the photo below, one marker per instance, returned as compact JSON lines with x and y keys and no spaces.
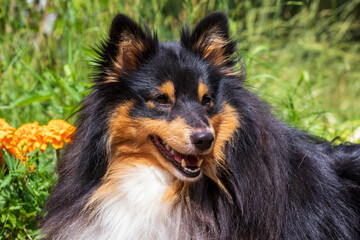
{"x":218,"y":15}
{"x":120,"y":19}
{"x":217,"y":18}
{"x":120,"y":16}
{"x":214,"y":19}
{"x":121,"y":22}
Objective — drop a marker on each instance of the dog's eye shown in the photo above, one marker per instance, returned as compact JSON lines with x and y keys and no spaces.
{"x":206,"y":100}
{"x":162,"y":99}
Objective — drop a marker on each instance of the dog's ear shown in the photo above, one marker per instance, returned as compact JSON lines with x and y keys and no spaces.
{"x":211,"y":40}
{"x":128,"y":45}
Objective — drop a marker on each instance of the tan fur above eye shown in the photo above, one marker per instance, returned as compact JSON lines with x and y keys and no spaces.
{"x":168,"y":89}
{"x":151,"y":104}
{"x":202,"y":90}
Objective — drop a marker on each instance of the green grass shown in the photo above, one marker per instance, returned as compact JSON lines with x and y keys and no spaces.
{"x":301,"y":57}
{"x":23,"y":194}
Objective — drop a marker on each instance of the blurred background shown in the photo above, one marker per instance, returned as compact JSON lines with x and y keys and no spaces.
{"x":303,"y":57}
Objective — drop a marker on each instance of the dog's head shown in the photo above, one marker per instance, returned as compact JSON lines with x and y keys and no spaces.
{"x":169,"y":101}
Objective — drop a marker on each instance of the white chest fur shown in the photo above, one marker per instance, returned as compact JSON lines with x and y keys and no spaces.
{"x":136,"y":210}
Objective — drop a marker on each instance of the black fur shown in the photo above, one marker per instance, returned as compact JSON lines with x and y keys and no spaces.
{"x":283,"y":183}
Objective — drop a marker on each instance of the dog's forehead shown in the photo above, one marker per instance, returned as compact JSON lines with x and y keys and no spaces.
{"x":180,"y":66}
{"x":174,"y":47}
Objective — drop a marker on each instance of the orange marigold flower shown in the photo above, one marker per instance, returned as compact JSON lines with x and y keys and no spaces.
{"x":30,"y":136}
{"x":27,"y":138}
{"x":58,"y":132}
{"x":6,"y":134}
{"x":6,"y":138}
{"x":31,"y":167}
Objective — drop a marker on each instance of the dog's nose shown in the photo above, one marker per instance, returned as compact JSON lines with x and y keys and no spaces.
{"x":202,"y":140}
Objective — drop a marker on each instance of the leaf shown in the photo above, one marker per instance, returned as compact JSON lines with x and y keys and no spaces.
{"x":5,"y":181}
{"x":12,"y":219}
{"x":3,"y":218}
{"x":43,"y":81}
{"x":9,"y":160}
{"x":260,"y":48}
{"x":64,"y":83}
{"x":3,"y":201}
{"x":30,"y":188}
{"x":37,"y":96}
{"x":12,"y":208}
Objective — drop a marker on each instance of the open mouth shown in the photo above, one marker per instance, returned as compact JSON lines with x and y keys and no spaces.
{"x":188,"y":165}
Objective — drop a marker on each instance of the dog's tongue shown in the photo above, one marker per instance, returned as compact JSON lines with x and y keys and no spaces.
{"x":191,"y":161}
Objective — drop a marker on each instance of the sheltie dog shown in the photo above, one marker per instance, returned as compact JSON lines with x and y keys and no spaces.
{"x":171,"y":145}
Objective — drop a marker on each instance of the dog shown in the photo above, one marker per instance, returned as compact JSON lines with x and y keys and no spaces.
{"x":171,"y":145}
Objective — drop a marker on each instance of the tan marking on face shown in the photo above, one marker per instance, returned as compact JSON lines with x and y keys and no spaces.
{"x":225,"y":124}
{"x":131,"y":137}
{"x":168,"y":89}
{"x":176,"y":132}
{"x":202,"y":90}
{"x":151,"y":104}
{"x":127,"y":136}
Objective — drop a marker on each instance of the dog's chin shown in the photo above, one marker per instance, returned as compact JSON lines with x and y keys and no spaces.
{"x":186,"y":167}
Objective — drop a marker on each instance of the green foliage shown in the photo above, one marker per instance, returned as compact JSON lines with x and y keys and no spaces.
{"x":23,"y":193}
{"x":301,"y":56}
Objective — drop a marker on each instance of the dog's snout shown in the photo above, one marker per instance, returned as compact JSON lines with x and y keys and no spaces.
{"x":202,"y":140}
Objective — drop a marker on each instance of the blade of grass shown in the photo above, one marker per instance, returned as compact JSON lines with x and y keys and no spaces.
{"x":42,"y":81}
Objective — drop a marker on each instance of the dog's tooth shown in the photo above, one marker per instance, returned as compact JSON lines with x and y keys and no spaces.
{"x":183,"y":163}
{"x":200,"y":162}
{"x":172,"y":152}
{"x":167,"y":147}
{"x":191,"y":170}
